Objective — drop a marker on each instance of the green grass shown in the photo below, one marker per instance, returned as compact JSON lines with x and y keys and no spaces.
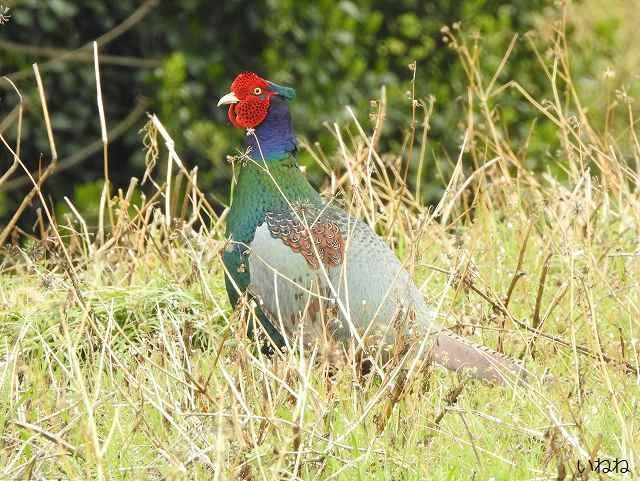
{"x":122,"y":360}
{"x":166,"y":403}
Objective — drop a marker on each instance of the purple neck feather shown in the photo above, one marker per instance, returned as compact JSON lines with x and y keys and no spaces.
{"x":275,"y":133}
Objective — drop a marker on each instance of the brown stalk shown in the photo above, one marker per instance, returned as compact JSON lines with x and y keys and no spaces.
{"x":19,"y":109}
{"x":49,"y":436}
{"x":543,"y":278}
{"x":105,"y":201}
{"x":450,"y":398}
{"x":518,"y":274}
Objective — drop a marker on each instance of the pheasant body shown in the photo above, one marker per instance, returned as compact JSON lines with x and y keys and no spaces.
{"x":359,"y":287}
{"x":316,"y":271}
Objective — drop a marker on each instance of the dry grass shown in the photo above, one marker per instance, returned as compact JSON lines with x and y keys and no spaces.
{"x":119,"y":358}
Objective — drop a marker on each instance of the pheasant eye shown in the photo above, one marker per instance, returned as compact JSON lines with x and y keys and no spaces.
{"x":257,"y":91}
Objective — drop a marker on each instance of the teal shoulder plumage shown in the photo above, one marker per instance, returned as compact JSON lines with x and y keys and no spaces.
{"x":260,"y":188}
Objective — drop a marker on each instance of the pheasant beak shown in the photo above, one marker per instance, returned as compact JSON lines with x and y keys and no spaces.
{"x":230,"y":98}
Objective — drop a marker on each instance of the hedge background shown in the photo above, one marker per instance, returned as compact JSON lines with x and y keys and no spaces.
{"x":177,"y":58}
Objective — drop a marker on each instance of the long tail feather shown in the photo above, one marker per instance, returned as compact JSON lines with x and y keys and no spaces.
{"x":457,"y":353}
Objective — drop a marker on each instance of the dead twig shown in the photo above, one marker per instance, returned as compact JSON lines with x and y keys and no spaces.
{"x":49,"y":436}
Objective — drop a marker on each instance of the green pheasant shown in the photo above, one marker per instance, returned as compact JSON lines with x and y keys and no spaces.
{"x":314,"y":270}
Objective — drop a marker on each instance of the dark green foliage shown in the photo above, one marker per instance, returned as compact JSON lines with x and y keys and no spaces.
{"x":335,"y":53}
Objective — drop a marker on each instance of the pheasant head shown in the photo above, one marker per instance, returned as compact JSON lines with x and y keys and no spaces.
{"x":250,"y":98}
{"x":261,"y":107}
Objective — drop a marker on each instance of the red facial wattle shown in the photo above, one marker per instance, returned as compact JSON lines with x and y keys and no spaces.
{"x":249,"y":112}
